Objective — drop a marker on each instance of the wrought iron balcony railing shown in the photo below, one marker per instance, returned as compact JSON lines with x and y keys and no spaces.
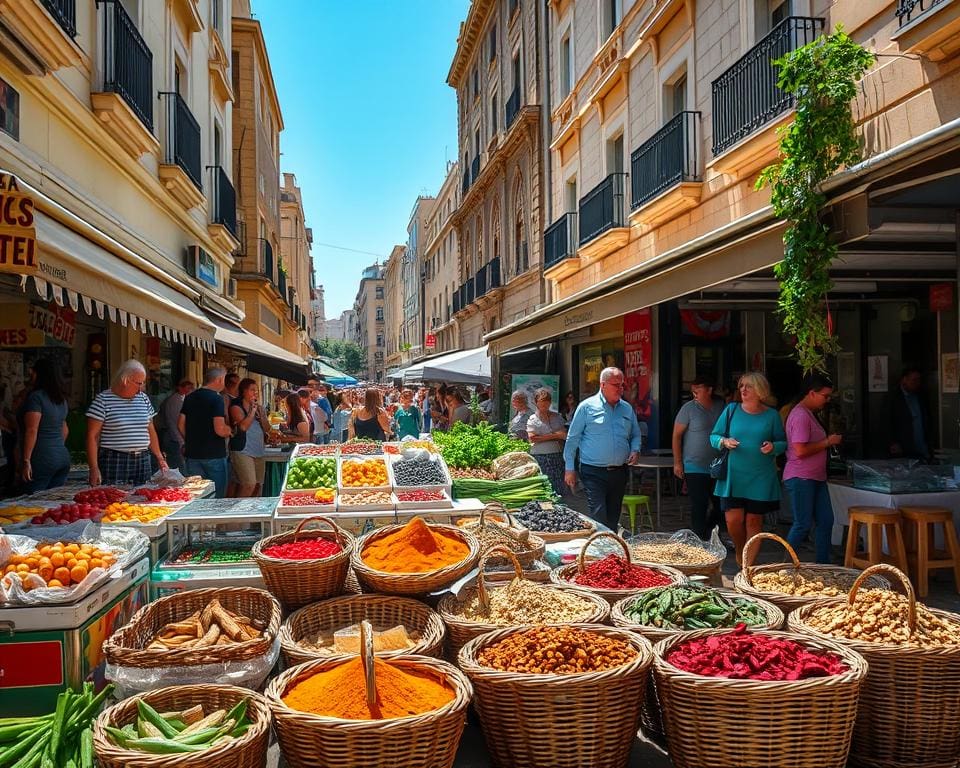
{"x":183,"y":137}
{"x":669,"y":157}
{"x":560,"y":240}
{"x":603,"y":207}
{"x":127,"y":62}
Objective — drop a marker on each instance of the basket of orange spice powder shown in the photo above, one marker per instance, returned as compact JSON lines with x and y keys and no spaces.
{"x":367,"y":710}
{"x":413,"y":559}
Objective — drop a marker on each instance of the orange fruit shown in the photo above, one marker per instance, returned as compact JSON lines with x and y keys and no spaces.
{"x":71,"y":548}
{"x":86,"y":548}
{"x":62,"y":575}
{"x":57,"y":559}
{"x":46,"y":550}
{"x":71,"y":562}
{"x":82,"y":556}
{"x":54,"y":583}
{"x":16,"y":559}
{"x":10,"y":568}
{"x":96,"y":562}
{"x":23,"y":568}
{"x":46,"y":572}
{"x":78,"y":573}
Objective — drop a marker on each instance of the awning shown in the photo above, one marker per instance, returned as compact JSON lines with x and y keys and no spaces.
{"x":664,"y":278}
{"x":261,"y":356}
{"x":331,"y":375}
{"x":467,"y":366}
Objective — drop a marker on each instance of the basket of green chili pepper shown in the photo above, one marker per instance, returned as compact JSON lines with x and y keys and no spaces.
{"x":186,"y":726}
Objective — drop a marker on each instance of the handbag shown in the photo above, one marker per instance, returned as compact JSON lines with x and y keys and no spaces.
{"x":718,"y":467}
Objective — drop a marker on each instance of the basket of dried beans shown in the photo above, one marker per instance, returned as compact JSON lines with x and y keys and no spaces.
{"x":798,"y":694}
{"x":910,"y":702}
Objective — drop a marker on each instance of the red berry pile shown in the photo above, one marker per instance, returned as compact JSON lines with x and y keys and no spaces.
{"x":312,"y":549}
{"x":68,"y":513}
{"x":164,"y":494}
{"x":614,"y":572}
{"x":298,"y":499}
{"x":101,"y":496}
{"x":420,"y":496}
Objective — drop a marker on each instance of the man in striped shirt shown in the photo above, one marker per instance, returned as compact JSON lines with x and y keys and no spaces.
{"x":120,"y":431}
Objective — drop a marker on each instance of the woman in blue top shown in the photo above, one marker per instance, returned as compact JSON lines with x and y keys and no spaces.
{"x":753,"y":434}
{"x":46,"y":460}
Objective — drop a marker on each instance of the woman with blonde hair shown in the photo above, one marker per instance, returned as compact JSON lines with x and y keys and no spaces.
{"x":752,"y":435}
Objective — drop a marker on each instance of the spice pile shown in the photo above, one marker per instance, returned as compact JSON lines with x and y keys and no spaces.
{"x":523,"y":602}
{"x":614,"y":572}
{"x":550,"y":517}
{"x":366,"y":473}
{"x":741,"y":655}
{"x":557,"y":651}
{"x":673,"y":552}
{"x":309,"y":549}
{"x":692,"y":607}
{"x":170,"y":733}
{"x":415,"y":548}
{"x":419,"y":471}
{"x":347,"y":640}
{"x":880,"y":616}
{"x":341,"y":692}
{"x":57,"y":564}
{"x":804,"y":583}
{"x":214,"y":625}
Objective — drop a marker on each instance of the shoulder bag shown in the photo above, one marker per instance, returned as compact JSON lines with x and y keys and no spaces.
{"x":718,"y":467}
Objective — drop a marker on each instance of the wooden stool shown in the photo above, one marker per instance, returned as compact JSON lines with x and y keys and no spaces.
{"x":877,"y":521}
{"x":919,"y":525}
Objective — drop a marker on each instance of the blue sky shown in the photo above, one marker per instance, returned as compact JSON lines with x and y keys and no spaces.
{"x":369,"y":119}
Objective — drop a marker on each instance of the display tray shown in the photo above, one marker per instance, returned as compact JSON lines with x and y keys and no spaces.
{"x":302,"y":450}
{"x":347,"y":449}
{"x":446,"y":486}
{"x":204,"y":550}
{"x":404,"y":506}
{"x":347,"y":459}
{"x":344,"y":507}
{"x":218,"y":511}
{"x":305,"y":509}
{"x":152,"y":530}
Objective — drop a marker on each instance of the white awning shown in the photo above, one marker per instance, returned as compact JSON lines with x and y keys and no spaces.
{"x":261,"y":355}
{"x":467,"y":366}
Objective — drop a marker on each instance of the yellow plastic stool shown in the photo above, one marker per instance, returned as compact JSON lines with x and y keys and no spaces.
{"x":631,"y":503}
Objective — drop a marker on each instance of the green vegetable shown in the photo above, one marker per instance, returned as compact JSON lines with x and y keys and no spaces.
{"x":474,"y":447}
{"x":693,"y":607}
{"x":86,"y":749}
{"x":151,"y":715}
{"x":510,"y":493}
{"x":163,"y":746}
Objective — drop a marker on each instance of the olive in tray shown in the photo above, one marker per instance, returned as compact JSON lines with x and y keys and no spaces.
{"x":418,"y":471}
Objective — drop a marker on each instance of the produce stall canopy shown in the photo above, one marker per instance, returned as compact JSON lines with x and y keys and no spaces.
{"x":331,"y":375}
{"x":262,"y":357}
{"x":468,"y":366}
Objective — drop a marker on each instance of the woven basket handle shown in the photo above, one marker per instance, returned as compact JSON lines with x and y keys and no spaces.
{"x":581,"y":563}
{"x":752,"y":547}
{"x":496,"y":549}
{"x":336,"y":528}
{"x":366,"y":658}
{"x":900,"y":576}
{"x":494,"y":507}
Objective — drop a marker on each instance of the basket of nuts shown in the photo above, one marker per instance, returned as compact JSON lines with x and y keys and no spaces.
{"x":683,"y":551}
{"x":909,"y":703}
{"x":481,"y":609}
{"x":558,"y":696}
{"x":795,"y":584}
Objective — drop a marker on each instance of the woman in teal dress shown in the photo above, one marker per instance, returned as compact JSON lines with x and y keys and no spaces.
{"x":755,"y":438}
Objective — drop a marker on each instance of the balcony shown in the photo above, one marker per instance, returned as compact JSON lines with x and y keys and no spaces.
{"x":560,"y":248}
{"x":512,"y":107}
{"x":43,"y":34}
{"x":466,"y":181}
{"x":474,"y":169}
{"x":480,"y":282}
{"x":126,"y":104}
{"x":282,"y":282}
{"x":665,"y":171}
{"x":746,"y":98}
{"x":928,"y":28}
{"x":494,"y":279}
{"x":456,"y":301}
{"x":603,"y":218}
{"x":223,"y":209}
{"x":180,"y":169}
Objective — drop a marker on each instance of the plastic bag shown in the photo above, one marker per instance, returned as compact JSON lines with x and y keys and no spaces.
{"x":168,"y":478}
{"x":128,"y":544}
{"x":715,"y":548}
{"x":515,"y":465}
{"x":249,"y":673}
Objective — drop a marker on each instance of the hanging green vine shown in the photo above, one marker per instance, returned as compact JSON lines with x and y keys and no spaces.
{"x":822,"y":76}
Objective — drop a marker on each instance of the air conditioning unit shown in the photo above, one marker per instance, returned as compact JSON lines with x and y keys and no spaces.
{"x":231,"y":288}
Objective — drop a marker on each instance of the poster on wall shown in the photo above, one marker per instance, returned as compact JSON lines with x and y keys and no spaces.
{"x":951,"y":373}
{"x":637,"y":357}
{"x":877,"y":373}
{"x":592,"y":365}
{"x":531,"y":382}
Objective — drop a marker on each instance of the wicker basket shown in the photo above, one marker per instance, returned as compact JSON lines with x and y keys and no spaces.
{"x":379,"y":610}
{"x":296,"y":583}
{"x":910,"y":701}
{"x":429,"y":740}
{"x":559,"y":721}
{"x":127,"y":647}
{"x":463,"y":630}
{"x":247,"y":751}
{"x":709,"y":570}
{"x":566,"y":573}
{"x":555,"y":538}
{"x":372,"y":580}
{"x":743,"y":581}
{"x":650,"y":717}
{"x":717,"y":722}
{"x":536,"y":546}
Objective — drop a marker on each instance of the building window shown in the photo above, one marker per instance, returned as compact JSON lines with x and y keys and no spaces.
{"x":217,"y":144}
{"x":516,"y":70}
{"x":570,"y":195}
{"x":494,"y":122}
{"x":611,"y":13}
{"x":566,"y":67}
{"x":379,"y":339}
{"x":493,"y":42}
{"x":269,"y":319}
{"x":476,"y":83}
{"x":379,"y":314}
{"x":615,"y":155}
{"x":9,"y":110}
{"x":235,"y":70}
{"x":675,"y":96}
{"x":378,"y":292}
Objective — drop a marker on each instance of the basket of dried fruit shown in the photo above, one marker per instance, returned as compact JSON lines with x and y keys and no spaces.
{"x":792,"y":585}
{"x":578,"y":706}
{"x":198,"y":627}
{"x":481,"y":609}
{"x":909,"y":704}
{"x":762,"y":699}
{"x":185,"y":726}
{"x":328,"y":629}
{"x":525,"y":546}
{"x":303,"y":566}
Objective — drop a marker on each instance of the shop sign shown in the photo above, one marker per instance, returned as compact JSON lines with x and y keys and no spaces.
{"x":32,"y":325}
{"x":637,"y":354}
{"x":207,"y":268}
{"x":941,"y":297}
{"x":431,"y":341}
{"x":18,"y":235}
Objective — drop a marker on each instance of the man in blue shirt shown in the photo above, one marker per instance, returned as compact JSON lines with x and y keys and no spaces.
{"x":605,"y":429}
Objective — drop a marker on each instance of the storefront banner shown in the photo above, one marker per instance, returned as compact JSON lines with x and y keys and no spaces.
{"x":18,"y":235}
{"x":637,"y":357}
{"x":32,"y":325}
{"x":530,"y":383}
{"x":705,"y":323}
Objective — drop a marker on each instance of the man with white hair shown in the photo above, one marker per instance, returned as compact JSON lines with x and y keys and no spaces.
{"x":120,"y":431}
{"x":605,"y":430}
{"x":203,"y":424}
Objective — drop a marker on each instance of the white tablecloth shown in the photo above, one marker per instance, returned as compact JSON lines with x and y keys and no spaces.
{"x":843,"y":496}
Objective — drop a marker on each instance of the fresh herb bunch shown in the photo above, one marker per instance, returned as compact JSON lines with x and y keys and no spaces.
{"x":474,"y":447}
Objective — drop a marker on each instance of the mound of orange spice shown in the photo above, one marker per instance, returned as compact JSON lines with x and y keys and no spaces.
{"x":415,"y":548}
{"x":341,"y":692}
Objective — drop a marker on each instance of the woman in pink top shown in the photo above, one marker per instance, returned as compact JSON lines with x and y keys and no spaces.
{"x":805,"y":475}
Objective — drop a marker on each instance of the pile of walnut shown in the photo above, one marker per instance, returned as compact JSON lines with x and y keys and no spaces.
{"x":556,"y":651}
{"x":214,"y":625}
{"x":879,"y":616}
{"x":789,"y":582}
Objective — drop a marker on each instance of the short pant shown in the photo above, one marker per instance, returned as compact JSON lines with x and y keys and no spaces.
{"x":750,"y":506}
{"x":247,"y":470}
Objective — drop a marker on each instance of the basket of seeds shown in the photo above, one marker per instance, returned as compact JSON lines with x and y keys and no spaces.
{"x":525,"y":546}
